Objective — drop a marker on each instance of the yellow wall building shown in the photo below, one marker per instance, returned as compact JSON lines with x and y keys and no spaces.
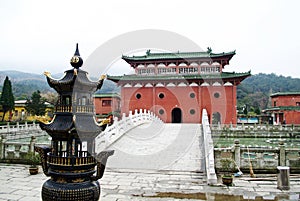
{"x":20,"y":114}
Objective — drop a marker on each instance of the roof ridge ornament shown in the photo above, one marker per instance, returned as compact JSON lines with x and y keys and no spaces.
{"x":209,"y":50}
{"x":148,"y":52}
{"x":76,"y":60}
{"x":77,"y":50}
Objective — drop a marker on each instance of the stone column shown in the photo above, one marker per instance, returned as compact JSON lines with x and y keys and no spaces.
{"x":237,"y":152}
{"x":130,"y":115}
{"x":117,"y":127}
{"x":2,"y":146}
{"x":32,"y":143}
{"x":8,"y":127}
{"x":17,"y":150}
{"x":283,"y":178}
{"x":18,"y":126}
{"x":123,"y":119}
{"x":281,"y":153}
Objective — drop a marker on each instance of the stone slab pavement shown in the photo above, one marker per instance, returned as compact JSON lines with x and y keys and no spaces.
{"x":142,"y":185}
{"x":159,"y":146}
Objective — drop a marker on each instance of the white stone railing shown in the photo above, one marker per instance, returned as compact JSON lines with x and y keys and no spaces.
{"x":263,"y":159}
{"x":18,"y":127}
{"x":256,"y":127}
{"x":18,"y":132}
{"x":208,"y":150}
{"x":119,"y":127}
{"x":16,"y":151}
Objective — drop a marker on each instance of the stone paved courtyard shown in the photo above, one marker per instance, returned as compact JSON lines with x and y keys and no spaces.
{"x":159,"y":146}
{"x":125,"y":184}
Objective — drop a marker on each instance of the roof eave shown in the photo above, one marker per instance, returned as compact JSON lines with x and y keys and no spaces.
{"x":211,"y":56}
{"x":240,"y":76}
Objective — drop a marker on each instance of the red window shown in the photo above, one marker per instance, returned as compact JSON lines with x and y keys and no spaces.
{"x":106,"y":103}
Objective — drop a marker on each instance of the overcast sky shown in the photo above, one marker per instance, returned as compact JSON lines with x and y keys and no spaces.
{"x":41,"y":35}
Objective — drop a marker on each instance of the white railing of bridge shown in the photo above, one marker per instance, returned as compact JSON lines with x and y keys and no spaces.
{"x":18,"y":127}
{"x":208,"y":150}
{"x":119,"y":127}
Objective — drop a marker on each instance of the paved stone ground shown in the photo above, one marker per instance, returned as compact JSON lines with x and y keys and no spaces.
{"x":154,"y":162}
{"x":142,"y":185}
{"x":159,"y":146}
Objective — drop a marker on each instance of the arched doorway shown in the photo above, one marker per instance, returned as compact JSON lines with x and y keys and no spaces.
{"x":176,"y":115}
{"x":216,"y":118}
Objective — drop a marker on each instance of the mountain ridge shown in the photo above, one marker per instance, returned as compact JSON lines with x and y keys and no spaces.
{"x":24,"y":83}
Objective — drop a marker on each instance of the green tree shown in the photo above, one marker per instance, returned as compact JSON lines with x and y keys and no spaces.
{"x":257,"y":111}
{"x":7,"y":99}
{"x":36,"y":105}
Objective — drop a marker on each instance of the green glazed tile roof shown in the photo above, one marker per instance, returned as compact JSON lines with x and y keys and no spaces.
{"x":222,"y":75}
{"x":177,"y":55}
{"x":285,"y":94}
{"x":280,"y":108}
{"x":106,"y":95}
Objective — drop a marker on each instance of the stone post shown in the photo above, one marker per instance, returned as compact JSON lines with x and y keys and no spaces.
{"x":283,"y":178}
{"x":130,"y":116}
{"x":237,"y":152}
{"x":2,"y":146}
{"x":18,"y":126}
{"x":32,"y":143}
{"x":260,"y":160}
{"x":117,"y":126}
{"x":281,"y":153}
{"x":123,"y":119}
{"x":8,"y":128}
{"x":141,"y":115}
{"x":17,"y":150}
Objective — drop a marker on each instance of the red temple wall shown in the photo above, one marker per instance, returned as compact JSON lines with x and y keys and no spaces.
{"x":180,"y":97}
{"x":291,"y":100}
{"x":105,"y":109}
{"x":292,"y":117}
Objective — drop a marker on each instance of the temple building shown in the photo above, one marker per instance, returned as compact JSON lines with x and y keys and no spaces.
{"x":19,"y":113}
{"x":106,"y":104}
{"x":177,"y":86}
{"x":285,"y":108}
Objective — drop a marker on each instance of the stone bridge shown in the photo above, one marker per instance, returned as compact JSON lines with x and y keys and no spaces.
{"x":142,"y":141}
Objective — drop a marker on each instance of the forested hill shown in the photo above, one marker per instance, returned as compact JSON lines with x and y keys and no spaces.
{"x":266,"y":82}
{"x":24,"y":84}
{"x":255,"y":90}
